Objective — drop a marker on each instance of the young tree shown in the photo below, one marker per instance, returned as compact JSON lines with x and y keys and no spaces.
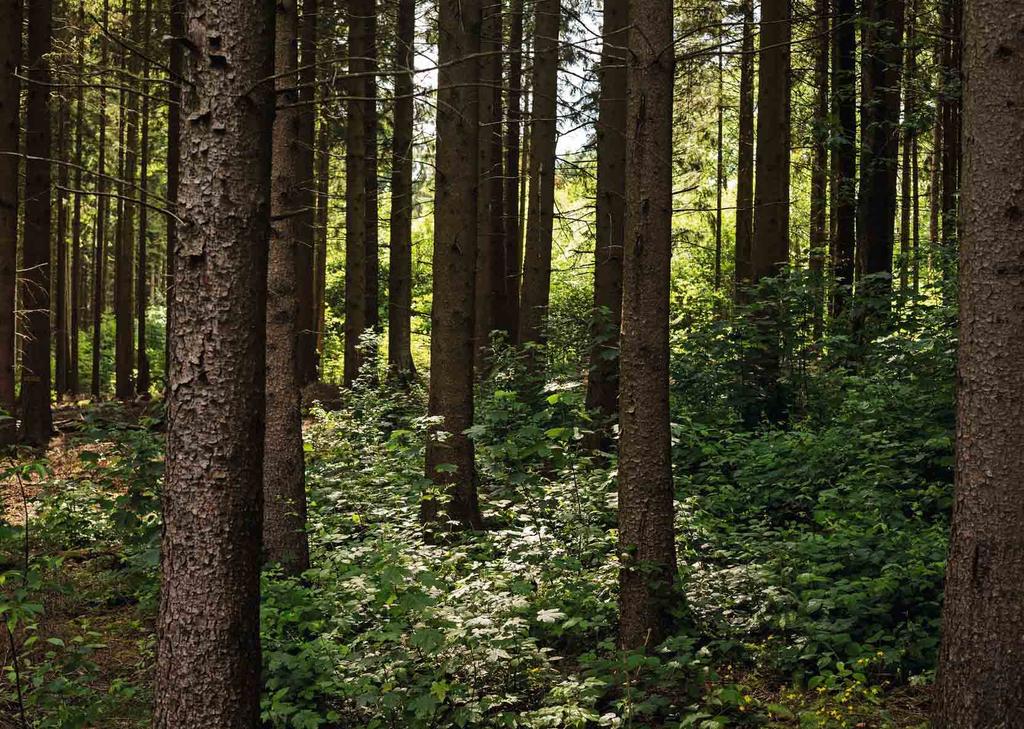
{"x":59,"y":279}
{"x":745,"y":162}
{"x":208,"y":649}
{"x":400,"y":362}
{"x":979,"y":682}
{"x":819,"y":165}
{"x":540,"y":214}
{"x":10,"y":128}
{"x":603,"y":382}
{"x":284,"y":485}
{"x":36,"y":418}
{"x":449,"y":460}
{"x":646,"y":499}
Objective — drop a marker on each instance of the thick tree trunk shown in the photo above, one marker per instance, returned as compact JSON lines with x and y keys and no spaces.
{"x":511,"y":207}
{"x":142,"y":380}
{"x":400,"y":364}
{"x":99,"y":274}
{"x":533,"y":306}
{"x":844,"y":84}
{"x":603,"y":381}
{"x":646,"y":499}
{"x":36,"y":418}
{"x":454,"y":264}
{"x":284,"y":486}
{"x":979,"y":680}
{"x":208,"y":649}
{"x":306,"y":348}
{"x":819,"y":239}
{"x":745,"y":161}
{"x":10,"y":129}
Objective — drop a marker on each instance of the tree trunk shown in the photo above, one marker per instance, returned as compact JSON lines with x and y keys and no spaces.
{"x":372,"y":286}
{"x":819,"y":166}
{"x":306,"y":348}
{"x":454,"y":264}
{"x":100,"y":249}
{"x":844,"y":84}
{"x":603,"y":381}
{"x":511,"y":207}
{"x":10,"y":129}
{"x":400,"y":364}
{"x":719,"y":167}
{"x":323,"y":203}
{"x":745,"y":163}
{"x":950,"y":108}
{"x":284,"y":486}
{"x":646,"y":499}
{"x":142,"y":381}
{"x":77,"y":297}
{"x":208,"y":649}
{"x":908,"y":199}
{"x":36,"y":418}
{"x":176,"y":68}
{"x":541,"y":206}
{"x":979,"y":682}
{"x":60,"y":277}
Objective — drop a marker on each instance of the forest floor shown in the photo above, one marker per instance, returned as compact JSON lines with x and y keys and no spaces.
{"x":510,"y":628}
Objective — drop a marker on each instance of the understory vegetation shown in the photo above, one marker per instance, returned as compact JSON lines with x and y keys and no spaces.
{"x":811,"y":556}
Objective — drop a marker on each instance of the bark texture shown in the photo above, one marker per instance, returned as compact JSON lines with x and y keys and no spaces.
{"x":10,"y":129}
{"x":284,"y":486}
{"x":99,"y":256}
{"x":844,"y":85}
{"x":208,"y":650}
{"x":306,"y":190}
{"x":745,"y":159}
{"x":449,"y":461}
{"x":511,"y":207}
{"x":819,"y":164}
{"x":646,"y":537}
{"x":176,"y":61}
{"x":979,"y":681}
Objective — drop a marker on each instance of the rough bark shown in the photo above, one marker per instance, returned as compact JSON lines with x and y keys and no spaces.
{"x":646,"y":537}
{"x":844,"y":84}
{"x":511,"y":207}
{"x":36,"y":418}
{"x":306,"y":348}
{"x":176,"y":68}
{"x":142,"y":380}
{"x":979,"y":682}
{"x":454,"y":263}
{"x":10,"y":129}
{"x":536,"y":289}
{"x":284,"y":487}
{"x":603,"y":381}
{"x":400,"y":364}
{"x":745,"y":160}
{"x":208,"y":650}
{"x":819,"y":241}
{"x":99,"y":273}
{"x":949,"y":104}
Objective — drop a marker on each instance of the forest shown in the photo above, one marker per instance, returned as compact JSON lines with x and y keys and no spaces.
{"x":511,"y":364}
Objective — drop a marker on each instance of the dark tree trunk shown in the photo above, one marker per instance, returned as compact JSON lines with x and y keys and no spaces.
{"x":60,"y":277}
{"x":454,"y":264}
{"x":400,"y":364}
{"x":177,"y":22}
{"x":908,"y":201}
{"x":36,"y":418}
{"x":77,"y":294}
{"x":208,"y":644}
{"x":979,"y":682}
{"x":541,"y":206}
{"x":844,"y":84}
{"x":719,"y":157}
{"x":745,"y":162}
{"x":372,"y":287}
{"x":142,"y":380}
{"x":949,"y":104}
{"x":284,"y":486}
{"x":646,"y":499}
{"x":603,"y":382}
{"x":323,"y":180}
{"x":511,"y":207}
{"x":306,"y":348}
{"x":819,"y":166}
{"x":99,"y":274}
{"x":10,"y":129}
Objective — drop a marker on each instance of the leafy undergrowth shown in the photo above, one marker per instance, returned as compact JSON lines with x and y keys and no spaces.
{"x":810,"y":563}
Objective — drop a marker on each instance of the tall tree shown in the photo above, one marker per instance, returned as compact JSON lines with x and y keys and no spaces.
{"x":454,"y":264}
{"x":950,"y":109}
{"x":284,"y":486}
{"x":908,"y":201}
{"x":844,"y":95}
{"x":306,"y":351}
{"x":819,"y":165}
{"x":979,"y":680}
{"x":142,"y":380}
{"x":400,"y":362}
{"x":208,"y":647}
{"x":745,"y":161}
{"x":10,"y":129}
{"x":511,"y":206}
{"x":646,"y":499}
{"x":77,"y":298}
{"x":36,"y":418}
{"x":371,"y":239}
{"x":59,"y":282}
{"x":533,"y":302}
{"x":603,"y":381}
{"x":100,"y":248}
{"x":175,"y":71}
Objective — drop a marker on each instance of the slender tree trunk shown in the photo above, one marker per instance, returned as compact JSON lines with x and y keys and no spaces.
{"x":719,"y":167}
{"x":908,"y":199}
{"x":745,"y":161}
{"x":603,"y":381}
{"x":916,"y":219}
{"x":819,"y":238}
{"x":541,"y":205}
{"x":36,"y":418}
{"x":142,"y":381}
{"x":323,"y":181}
{"x":511,"y":207}
{"x":100,"y":248}
{"x":979,"y":682}
{"x":306,"y":348}
{"x":60,"y":278}
{"x":400,"y":364}
{"x":372,"y":286}
{"x":284,"y":487}
{"x":454,"y":263}
{"x":10,"y":129}
{"x":176,"y":70}
{"x":208,"y":643}
{"x":950,"y":106}
{"x":77,"y":297}
{"x":646,"y":498}
{"x":844,"y":84}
